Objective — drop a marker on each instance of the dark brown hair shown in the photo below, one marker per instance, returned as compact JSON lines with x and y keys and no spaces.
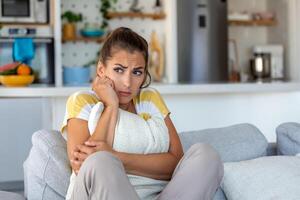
{"x":126,"y":39}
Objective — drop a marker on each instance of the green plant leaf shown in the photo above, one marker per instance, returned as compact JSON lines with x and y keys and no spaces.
{"x":72,"y":17}
{"x":106,"y":5}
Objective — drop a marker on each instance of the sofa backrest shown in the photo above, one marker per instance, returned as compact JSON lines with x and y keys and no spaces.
{"x":234,"y":143}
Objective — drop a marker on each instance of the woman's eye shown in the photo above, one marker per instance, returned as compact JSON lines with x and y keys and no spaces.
{"x":138,"y":73}
{"x":119,"y":70}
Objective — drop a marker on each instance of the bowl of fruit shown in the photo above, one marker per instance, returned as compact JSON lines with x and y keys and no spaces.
{"x":16,"y":74}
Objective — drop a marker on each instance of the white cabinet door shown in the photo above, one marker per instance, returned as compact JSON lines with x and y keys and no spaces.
{"x":19,"y":118}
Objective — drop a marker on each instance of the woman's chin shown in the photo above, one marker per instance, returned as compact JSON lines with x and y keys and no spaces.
{"x":124,"y":100}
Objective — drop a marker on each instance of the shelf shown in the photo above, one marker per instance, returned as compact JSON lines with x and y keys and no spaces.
{"x":136,"y":15}
{"x":252,"y":23}
{"x":36,"y":40}
{"x":85,"y":39}
{"x":24,"y":24}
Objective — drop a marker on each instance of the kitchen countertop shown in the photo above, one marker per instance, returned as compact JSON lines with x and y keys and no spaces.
{"x":37,"y":90}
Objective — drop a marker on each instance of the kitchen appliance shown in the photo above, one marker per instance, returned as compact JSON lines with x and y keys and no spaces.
{"x":202,"y":41}
{"x":24,"y":11}
{"x":276,"y":53}
{"x":43,"y":60}
{"x":260,"y":66}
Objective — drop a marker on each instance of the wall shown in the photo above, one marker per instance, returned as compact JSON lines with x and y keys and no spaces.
{"x":200,"y":111}
{"x":81,"y":53}
{"x":266,"y":111}
{"x":279,"y":33}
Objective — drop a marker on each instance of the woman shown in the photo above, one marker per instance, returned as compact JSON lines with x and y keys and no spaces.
{"x":101,"y":172}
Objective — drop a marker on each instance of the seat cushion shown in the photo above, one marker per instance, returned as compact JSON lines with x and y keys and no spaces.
{"x":233,"y":143}
{"x":10,"y":196}
{"x":272,"y":177}
{"x":47,"y":170}
{"x":288,"y":139}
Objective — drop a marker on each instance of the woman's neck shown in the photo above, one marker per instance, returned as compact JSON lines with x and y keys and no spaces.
{"x":128,"y":107}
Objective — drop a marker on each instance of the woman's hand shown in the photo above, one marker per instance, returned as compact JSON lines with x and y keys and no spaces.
{"x":104,"y":88}
{"x":89,"y":147}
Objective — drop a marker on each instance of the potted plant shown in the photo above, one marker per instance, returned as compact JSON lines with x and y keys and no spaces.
{"x":69,"y":28}
{"x":106,"y":5}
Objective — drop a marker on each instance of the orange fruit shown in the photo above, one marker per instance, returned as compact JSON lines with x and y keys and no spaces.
{"x":23,"y":69}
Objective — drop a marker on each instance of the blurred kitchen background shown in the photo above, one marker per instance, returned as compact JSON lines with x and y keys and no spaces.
{"x":195,"y":41}
{"x":234,"y":40}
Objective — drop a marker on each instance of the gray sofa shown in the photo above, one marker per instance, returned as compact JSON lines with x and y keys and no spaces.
{"x":47,"y":169}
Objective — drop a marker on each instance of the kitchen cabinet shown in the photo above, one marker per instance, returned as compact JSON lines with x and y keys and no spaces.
{"x":19,"y":118}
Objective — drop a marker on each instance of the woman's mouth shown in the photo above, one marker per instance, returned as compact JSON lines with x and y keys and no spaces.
{"x":124,"y":94}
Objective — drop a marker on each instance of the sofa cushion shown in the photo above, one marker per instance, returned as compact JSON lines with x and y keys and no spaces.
{"x":233,"y":143}
{"x":288,"y":139}
{"x":47,"y":170}
{"x":10,"y":196}
{"x":272,"y":177}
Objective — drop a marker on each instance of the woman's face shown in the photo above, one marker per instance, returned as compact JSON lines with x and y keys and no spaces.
{"x":127,"y":71}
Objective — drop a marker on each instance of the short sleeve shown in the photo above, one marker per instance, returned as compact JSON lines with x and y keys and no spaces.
{"x":149,"y":102}
{"x":79,"y":105}
{"x":157,"y":99}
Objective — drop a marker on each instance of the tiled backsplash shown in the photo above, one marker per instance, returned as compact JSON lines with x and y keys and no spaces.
{"x":80,"y":53}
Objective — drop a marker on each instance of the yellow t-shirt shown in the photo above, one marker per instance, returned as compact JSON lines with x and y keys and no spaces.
{"x":147,"y":103}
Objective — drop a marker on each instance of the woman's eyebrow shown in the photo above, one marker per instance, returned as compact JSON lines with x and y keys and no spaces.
{"x":138,"y":68}
{"x":121,"y":65}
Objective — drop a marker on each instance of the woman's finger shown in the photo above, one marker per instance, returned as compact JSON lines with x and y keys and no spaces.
{"x":93,"y":143}
{"x":85,"y":149}
{"x":80,"y":156}
{"x":110,"y":82}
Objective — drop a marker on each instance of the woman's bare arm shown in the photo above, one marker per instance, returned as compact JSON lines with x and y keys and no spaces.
{"x":105,"y":129}
{"x":78,"y":132}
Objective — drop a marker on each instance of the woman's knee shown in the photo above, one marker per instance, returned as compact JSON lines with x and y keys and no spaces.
{"x":206,"y":149}
{"x":208,"y":155}
{"x":100,"y":162}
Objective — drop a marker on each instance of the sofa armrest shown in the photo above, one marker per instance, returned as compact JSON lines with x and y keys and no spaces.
{"x":47,"y":170}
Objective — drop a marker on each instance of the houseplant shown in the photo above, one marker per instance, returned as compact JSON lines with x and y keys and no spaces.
{"x":69,"y":28}
{"x":106,"y":5}
{"x":94,"y":30}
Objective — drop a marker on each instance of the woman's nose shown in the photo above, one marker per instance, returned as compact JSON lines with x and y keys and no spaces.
{"x":127,"y":80}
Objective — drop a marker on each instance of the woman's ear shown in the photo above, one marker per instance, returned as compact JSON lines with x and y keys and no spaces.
{"x":100,"y":69}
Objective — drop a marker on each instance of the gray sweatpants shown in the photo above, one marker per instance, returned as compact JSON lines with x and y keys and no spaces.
{"x":196,"y":177}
